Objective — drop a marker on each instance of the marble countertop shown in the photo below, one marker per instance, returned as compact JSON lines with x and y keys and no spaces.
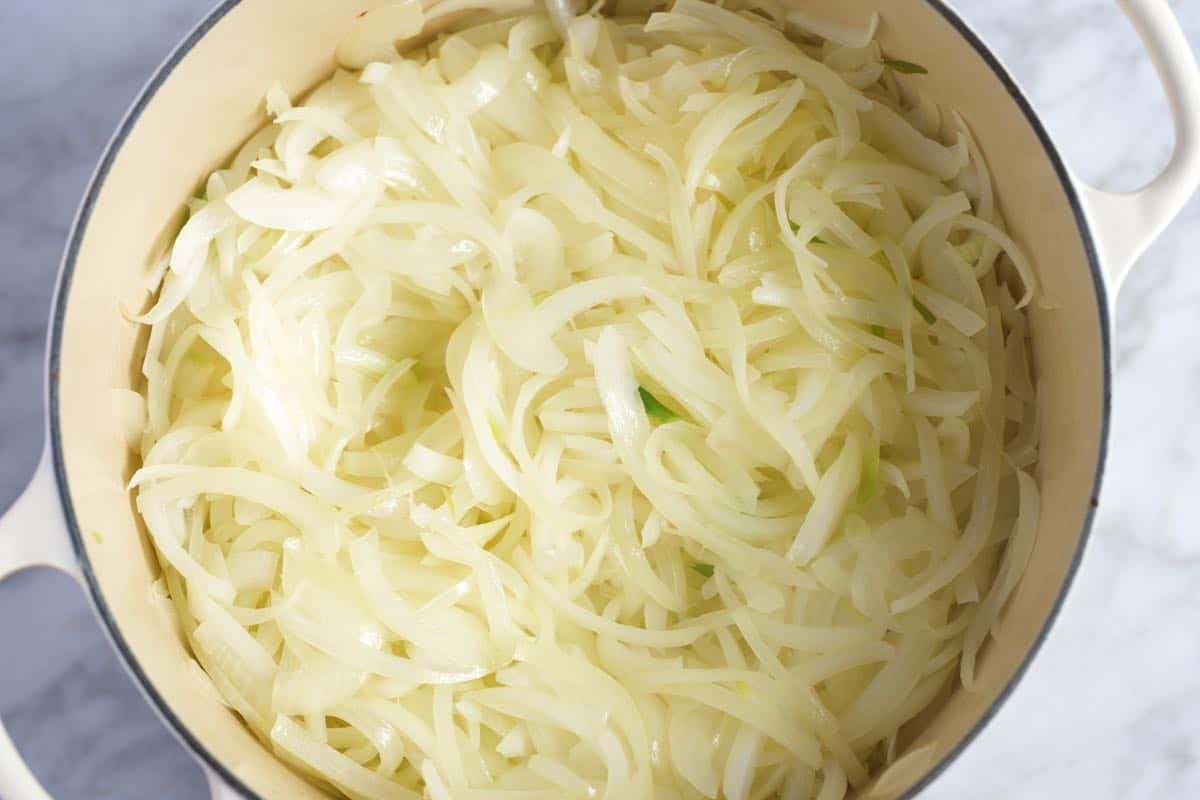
{"x":1111,"y":708}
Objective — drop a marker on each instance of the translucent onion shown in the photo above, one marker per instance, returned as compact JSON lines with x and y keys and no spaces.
{"x":592,"y":407}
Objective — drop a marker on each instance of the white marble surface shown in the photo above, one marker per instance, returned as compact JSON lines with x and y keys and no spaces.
{"x":1111,"y":708}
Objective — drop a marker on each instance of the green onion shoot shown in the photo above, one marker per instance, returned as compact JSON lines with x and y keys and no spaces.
{"x":654,"y":408}
{"x":924,"y":311}
{"x":904,"y":67}
{"x":868,"y":480}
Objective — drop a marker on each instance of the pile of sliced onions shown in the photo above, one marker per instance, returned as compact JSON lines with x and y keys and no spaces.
{"x":635,"y":415}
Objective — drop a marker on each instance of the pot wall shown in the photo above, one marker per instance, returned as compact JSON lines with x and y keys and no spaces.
{"x":211,"y":101}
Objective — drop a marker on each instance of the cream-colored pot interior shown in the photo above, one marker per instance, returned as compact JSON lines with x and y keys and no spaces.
{"x":211,"y":101}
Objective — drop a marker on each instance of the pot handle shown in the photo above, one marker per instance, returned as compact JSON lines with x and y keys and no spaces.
{"x":32,"y":534}
{"x":1125,"y":223}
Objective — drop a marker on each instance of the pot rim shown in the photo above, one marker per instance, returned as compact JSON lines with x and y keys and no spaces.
{"x":58,"y":315}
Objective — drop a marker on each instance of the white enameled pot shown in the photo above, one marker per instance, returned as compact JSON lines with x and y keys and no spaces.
{"x":206,"y":99}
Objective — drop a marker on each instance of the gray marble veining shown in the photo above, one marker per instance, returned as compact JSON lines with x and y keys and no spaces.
{"x":1111,"y":708}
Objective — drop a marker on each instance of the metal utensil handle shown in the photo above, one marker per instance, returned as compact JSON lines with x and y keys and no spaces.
{"x":1125,"y":223}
